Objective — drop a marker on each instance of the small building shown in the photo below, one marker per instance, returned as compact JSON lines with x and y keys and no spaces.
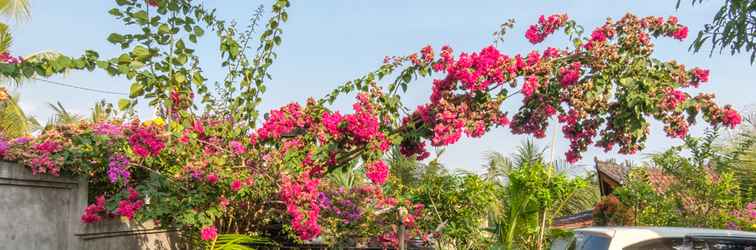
{"x":610,"y":176}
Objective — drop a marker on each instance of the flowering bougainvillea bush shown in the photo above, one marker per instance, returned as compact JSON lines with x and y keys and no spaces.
{"x":218,"y":169}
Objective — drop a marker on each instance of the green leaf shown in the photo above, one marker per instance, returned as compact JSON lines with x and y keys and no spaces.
{"x":141,"y":16}
{"x":115,"y":12}
{"x":164,"y":29}
{"x":180,"y":78}
{"x":141,"y":52}
{"x":198,"y":31}
{"x":124,"y":104}
{"x":115,"y":38}
{"x":135,"y":90}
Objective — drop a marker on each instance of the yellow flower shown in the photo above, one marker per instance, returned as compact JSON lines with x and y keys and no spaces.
{"x":157,"y":122}
{"x":753,"y":226}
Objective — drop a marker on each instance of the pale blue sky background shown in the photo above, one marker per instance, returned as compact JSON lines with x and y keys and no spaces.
{"x":328,"y":42}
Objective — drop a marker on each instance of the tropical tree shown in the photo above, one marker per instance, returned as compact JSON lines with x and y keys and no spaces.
{"x":13,"y":121}
{"x":15,"y":9}
{"x":534,"y":193}
{"x":733,"y":28}
{"x":694,"y":184}
{"x":63,"y":116}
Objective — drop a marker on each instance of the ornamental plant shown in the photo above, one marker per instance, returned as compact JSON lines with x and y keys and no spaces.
{"x":208,"y":165}
{"x":699,"y":190}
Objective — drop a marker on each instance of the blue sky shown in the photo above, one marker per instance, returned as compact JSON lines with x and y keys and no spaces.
{"x":328,"y":42}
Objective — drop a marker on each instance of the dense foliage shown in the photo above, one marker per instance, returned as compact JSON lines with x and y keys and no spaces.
{"x":213,"y":170}
{"x":733,"y":28}
{"x":700,"y":190}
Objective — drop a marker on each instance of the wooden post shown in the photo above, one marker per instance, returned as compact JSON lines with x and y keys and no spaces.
{"x":402,"y":244}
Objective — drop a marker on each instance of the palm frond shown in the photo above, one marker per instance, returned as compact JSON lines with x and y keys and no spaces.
{"x":238,"y":242}
{"x":62,"y":116}
{"x":6,"y":39}
{"x":15,"y":9}
{"x":13,"y":121}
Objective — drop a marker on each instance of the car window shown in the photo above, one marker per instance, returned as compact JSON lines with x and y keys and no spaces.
{"x":590,"y":242}
{"x":694,"y":244}
{"x":657,"y":244}
{"x":721,"y":243}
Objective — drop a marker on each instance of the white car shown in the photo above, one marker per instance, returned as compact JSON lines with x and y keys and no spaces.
{"x":660,"y":238}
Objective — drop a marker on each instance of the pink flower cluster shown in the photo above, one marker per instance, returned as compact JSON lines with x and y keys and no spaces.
{"x":131,"y":205}
{"x":4,"y":145}
{"x":699,"y":76}
{"x":92,"y":212}
{"x":237,"y":147}
{"x":6,"y":57}
{"x":145,"y":142}
{"x":209,"y":233}
{"x":745,"y":217}
{"x":546,"y":26}
{"x":417,"y":148}
{"x":570,"y":75}
{"x":530,"y":85}
{"x":673,"y":98}
{"x":44,"y":161}
{"x":118,"y":168}
{"x":301,"y":199}
{"x":282,"y":121}
{"x":377,"y":172}
{"x":730,"y":117}
{"x":108,"y":129}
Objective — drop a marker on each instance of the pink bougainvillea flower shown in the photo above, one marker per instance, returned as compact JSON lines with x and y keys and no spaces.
{"x":118,"y":168}
{"x":91,"y":212}
{"x":377,"y":172}
{"x":209,"y":233}
{"x":531,"y":84}
{"x":108,"y":129}
{"x":4,"y":145}
{"x":236,"y":185}
{"x":212,"y":179}
{"x":681,"y":33}
{"x":701,"y":76}
{"x":10,"y":59}
{"x":237,"y":147}
{"x":145,"y":142}
{"x":731,"y":118}
{"x":129,"y":206}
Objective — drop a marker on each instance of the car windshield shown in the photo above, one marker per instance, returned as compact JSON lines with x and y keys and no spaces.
{"x":589,"y":242}
{"x":696,"y":243}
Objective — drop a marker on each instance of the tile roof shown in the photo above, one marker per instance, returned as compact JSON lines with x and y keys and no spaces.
{"x":579,"y":220}
{"x":613,"y":170}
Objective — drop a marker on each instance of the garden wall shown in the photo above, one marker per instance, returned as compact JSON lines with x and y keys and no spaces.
{"x":42,"y":212}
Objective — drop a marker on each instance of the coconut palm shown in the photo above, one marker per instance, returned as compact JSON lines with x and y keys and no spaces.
{"x":13,"y":121}
{"x":536,"y":191}
{"x":15,"y":9}
{"x":63,"y":116}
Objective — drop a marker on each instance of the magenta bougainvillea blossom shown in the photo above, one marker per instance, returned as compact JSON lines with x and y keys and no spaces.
{"x":92,"y":211}
{"x":130,"y":206}
{"x":118,"y":168}
{"x":209,"y":233}
{"x":377,"y":172}
{"x":6,"y":57}
{"x":145,"y":141}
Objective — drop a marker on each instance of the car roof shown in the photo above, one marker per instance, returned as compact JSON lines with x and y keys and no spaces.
{"x":630,"y":235}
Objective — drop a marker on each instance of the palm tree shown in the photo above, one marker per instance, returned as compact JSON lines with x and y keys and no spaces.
{"x":536,"y":191}
{"x":15,"y":9}
{"x":13,"y":122}
{"x":62,"y":116}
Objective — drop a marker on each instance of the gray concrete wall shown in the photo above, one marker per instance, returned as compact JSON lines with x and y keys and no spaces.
{"x":43,"y":212}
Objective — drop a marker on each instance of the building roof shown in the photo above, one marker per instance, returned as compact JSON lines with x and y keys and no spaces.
{"x":614,"y":171}
{"x":579,"y":220}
